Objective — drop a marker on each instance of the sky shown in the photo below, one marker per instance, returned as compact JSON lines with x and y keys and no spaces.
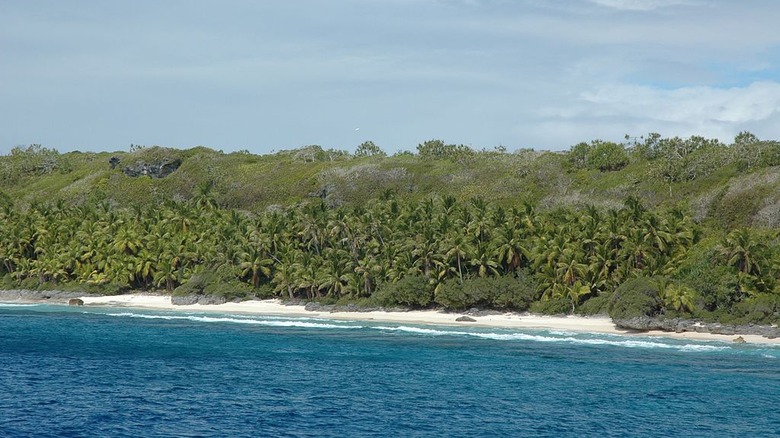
{"x":266,"y":76}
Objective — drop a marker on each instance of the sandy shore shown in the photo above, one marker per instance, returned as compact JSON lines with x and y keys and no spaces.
{"x":508,"y":320}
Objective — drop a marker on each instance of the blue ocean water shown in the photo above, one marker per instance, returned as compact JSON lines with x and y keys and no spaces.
{"x":100,"y":372}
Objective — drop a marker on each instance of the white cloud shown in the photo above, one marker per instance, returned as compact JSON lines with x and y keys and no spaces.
{"x":640,"y":5}
{"x":696,"y":105}
{"x":610,"y":111}
{"x":536,"y":73}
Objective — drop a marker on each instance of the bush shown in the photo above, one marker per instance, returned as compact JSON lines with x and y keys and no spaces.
{"x":760,"y":309}
{"x":232,"y":290}
{"x":595,"y":306}
{"x":506,"y":292}
{"x":554,"y":306}
{"x":636,"y":297}
{"x":412,"y":291}
{"x":607,"y":156}
{"x":220,"y":285}
{"x":7,"y":282}
{"x":514,"y":293}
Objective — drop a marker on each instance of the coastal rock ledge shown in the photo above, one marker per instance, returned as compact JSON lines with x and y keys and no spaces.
{"x":54,"y":296}
{"x":678,"y":325}
{"x":186,"y":300}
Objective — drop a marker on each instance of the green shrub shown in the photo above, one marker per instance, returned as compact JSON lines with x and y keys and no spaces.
{"x":595,"y":306}
{"x":7,"y":282}
{"x":636,"y":297}
{"x":453,"y":295}
{"x":195,"y":285}
{"x":505,"y":292}
{"x":607,"y":156}
{"x":760,"y":309}
{"x":514,"y":292}
{"x":738,"y":208}
{"x":29,"y":283}
{"x":232,"y":290}
{"x":554,"y":306}
{"x":221,"y":283}
{"x":412,"y":291}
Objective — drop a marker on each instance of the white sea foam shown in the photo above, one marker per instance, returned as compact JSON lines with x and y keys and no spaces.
{"x":239,"y":320}
{"x":612,"y":341}
{"x":18,"y":305}
{"x":546,"y":336}
{"x":420,"y":330}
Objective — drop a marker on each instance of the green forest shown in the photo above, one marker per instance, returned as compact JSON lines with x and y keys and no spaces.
{"x":663,"y":227}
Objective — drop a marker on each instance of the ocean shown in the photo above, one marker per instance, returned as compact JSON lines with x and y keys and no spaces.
{"x":116,"y":372}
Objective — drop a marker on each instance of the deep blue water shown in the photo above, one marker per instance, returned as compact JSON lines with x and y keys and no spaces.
{"x":100,"y":372}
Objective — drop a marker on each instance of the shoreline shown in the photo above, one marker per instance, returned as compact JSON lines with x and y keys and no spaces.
{"x":274,"y":307}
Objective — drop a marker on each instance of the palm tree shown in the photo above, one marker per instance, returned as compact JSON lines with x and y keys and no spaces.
{"x":484,"y":262}
{"x":678,"y":297}
{"x":254,"y":261}
{"x":285,"y":273}
{"x":457,"y":248}
{"x":333,"y":272}
{"x":569,"y":268}
{"x":512,"y":248}
{"x":744,"y":251}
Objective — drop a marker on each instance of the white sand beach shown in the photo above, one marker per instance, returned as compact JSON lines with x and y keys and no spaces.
{"x":507,"y":320}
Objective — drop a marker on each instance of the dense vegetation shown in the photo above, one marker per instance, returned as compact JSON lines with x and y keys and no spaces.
{"x":650,"y":227}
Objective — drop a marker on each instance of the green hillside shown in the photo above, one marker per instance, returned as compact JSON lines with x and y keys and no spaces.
{"x":734,"y":185}
{"x":658,"y":226}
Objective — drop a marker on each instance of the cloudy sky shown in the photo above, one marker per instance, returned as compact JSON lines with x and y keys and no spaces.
{"x":271,"y":75}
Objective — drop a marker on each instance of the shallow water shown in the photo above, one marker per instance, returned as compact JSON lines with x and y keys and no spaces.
{"x":68,"y":371}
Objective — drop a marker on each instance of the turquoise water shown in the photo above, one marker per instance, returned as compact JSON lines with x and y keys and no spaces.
{"x":68,"y":371}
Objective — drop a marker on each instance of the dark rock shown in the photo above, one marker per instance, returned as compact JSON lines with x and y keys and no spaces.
{"x":739,"y":340}
{"x":465,"y":318}
{"x":312,"y":306}
{"x":211,"y":299}
{"x":640,"y":323}
{"x":33,"y":295}
{"x":158,"y":169}
{"x":646,"y":323}
{"x":75,"y":302}
{"x":348,"y":308}
{"x":723,"y":330}
{"x":184,"y":300}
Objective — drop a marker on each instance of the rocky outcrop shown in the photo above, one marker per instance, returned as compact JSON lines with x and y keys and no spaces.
{"x":646,"y":323}
{"x":158,"y":169}
{"x":54,"y":296}
{"x":186,"y":300}
{"x":313,"y":306}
